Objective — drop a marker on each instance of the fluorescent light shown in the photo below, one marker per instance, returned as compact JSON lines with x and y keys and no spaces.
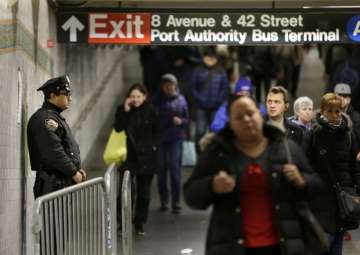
{"x":331,"y":7}
{"x":186,"y":251}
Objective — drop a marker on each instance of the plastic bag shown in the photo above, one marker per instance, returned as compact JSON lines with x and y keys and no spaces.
{"x":115,"y":150}
{"x":188,"y":154}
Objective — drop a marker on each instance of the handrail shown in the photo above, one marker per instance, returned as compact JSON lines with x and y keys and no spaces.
{"x":66,"y":190}
{"x":111,"y":192}
{"x":126,"y":214}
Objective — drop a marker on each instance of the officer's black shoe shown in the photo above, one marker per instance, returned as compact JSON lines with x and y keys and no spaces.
{"x":176,"y":209}
{"x":139,"y":229}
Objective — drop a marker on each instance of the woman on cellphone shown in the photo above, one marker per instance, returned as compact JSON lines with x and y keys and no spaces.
{"x":141,"y":124}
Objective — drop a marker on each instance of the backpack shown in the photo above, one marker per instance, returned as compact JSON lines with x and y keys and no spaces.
{"x":346,"y":73}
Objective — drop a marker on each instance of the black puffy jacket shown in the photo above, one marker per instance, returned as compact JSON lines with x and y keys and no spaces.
{"x":142,"y":128}
{"x":333,"y":150}
{"x":225,"y":235}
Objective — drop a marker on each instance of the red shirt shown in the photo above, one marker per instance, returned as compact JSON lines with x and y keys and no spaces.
{"x":258,"y":217}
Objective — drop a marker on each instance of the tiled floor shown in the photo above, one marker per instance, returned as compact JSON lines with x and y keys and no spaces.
{"x":170,"y":234}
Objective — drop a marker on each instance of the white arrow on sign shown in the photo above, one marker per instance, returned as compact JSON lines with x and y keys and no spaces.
{"x":73,"y":24}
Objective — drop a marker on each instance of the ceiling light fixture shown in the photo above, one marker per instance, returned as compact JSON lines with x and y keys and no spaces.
{"x":332,"y":7}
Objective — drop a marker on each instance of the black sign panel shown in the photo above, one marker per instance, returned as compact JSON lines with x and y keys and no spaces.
{"x":208,"y":28}
{"x":72,"y":28}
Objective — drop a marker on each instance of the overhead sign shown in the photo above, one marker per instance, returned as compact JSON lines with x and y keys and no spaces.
{"x":73,"y":25}
{"x":208,"y":28}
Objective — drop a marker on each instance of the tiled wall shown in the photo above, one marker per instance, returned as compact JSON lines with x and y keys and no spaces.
{"x":98,"y":75}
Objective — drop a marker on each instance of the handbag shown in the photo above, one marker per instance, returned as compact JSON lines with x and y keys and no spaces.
{"x":347,"y":198}
{"x":115,"y":150}
{"x":349,"y":203}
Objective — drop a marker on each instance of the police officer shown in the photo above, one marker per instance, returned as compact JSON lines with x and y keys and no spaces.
{"x":54,"y":153}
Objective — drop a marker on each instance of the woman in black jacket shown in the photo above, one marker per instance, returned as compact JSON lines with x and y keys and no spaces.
{"x":142,"y":127}
{"x":330,"y":146}
{"x":244,"y":173}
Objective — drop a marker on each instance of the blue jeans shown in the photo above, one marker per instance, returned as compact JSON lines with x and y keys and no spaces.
{"x":170,"y":160}
{"x":203,"y":122}
{"x":336,"y":243}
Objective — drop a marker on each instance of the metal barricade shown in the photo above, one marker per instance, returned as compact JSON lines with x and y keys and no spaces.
{"x":126,"y":214}
{"x":81,"y":219}
{"x":71,"y":221}
{"x":111,"y":180}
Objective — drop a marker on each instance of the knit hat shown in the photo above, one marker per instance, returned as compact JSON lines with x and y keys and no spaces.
{"x":243,"y":85}
{"x":169,"y":77}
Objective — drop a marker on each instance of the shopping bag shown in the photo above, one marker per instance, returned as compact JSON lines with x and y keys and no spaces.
{"x":188,"y":157}
{"x":115,"y":150}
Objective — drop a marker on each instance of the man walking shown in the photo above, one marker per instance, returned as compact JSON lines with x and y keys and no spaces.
{"x":277,"y":103}
{"x":54,"y":153}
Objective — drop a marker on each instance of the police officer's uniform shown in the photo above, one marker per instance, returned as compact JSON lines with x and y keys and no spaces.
{"x":54,"y":153}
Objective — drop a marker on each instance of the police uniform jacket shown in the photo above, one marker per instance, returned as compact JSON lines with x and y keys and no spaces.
{"x":52,"y":147}
{"x":225,"y":236}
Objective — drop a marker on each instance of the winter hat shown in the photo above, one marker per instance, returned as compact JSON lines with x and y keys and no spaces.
{"x":243,"y":84}
{"x":342,"y":89}
{"x":169,"y":77}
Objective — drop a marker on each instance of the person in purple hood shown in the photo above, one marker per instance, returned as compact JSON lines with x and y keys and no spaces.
{"x":174,"y":118}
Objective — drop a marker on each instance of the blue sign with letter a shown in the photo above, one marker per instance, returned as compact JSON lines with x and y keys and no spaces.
{"x":353,"y":28}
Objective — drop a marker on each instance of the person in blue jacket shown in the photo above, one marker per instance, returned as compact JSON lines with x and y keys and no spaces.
{"x":244,"y":87}
{"x":174,"y":118}
{"x":209,"y":87}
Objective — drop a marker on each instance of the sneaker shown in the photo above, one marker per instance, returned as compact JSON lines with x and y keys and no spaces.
{"x":347,"y":236}
{"x":139,"y":229}
{"x":176,"y":209}
{"x":163,"y":207}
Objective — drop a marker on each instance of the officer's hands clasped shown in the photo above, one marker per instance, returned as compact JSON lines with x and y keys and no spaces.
{"x":80,"y":176}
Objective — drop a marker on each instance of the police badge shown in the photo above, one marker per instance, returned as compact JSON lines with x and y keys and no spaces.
{"x":51,"y":124}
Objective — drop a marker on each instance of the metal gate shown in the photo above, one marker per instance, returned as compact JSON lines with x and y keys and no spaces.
{"x":81,"y":219}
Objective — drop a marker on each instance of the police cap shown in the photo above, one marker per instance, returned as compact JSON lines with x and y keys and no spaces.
{"x":56,"y":84}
